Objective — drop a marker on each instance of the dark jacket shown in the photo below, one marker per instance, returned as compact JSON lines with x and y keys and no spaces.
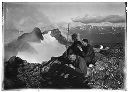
{"x":89,"y":54}
{"x":80,"y":63}
{"x":73,"y":49}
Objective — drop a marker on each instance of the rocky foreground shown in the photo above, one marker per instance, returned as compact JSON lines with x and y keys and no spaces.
{"x":108,"y":72}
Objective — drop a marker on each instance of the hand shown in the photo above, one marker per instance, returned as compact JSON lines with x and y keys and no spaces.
{"x":80,"y":48}
{"x":66,"y":75}
{"x":57,"y":62}
{"x":70,"y":65}
{"x":88,"y":72}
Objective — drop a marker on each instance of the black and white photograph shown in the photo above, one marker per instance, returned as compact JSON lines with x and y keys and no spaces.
{"x":64,"y":45}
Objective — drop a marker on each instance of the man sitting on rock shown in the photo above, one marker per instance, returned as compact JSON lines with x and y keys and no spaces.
{"x":88,"y":52}
{"x":76,"y":49}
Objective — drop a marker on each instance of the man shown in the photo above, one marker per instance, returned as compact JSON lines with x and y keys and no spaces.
{"x":76,"y":50}
{"x":88,"y":52}
{"x":76,"y":46}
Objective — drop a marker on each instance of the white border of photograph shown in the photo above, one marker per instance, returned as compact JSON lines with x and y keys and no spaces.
{"x":56,"y":90}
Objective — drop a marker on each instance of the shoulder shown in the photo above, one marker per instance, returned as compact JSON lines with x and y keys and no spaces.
{"x":90,"y":48}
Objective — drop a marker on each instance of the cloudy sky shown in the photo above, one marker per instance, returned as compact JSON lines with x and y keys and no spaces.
{"x":59,"y":12}
{"x":25,"y":16}
{"x":65,"y":11}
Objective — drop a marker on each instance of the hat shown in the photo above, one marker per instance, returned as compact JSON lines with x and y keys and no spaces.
{"x":74,"y":36}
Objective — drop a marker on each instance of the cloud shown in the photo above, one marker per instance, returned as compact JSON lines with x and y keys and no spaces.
{"x":49,"y":47}
{"x":99,"y":19}
{"x":22,"y":44}
{"x":23,"y":16}
{"x":28,"y":47}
